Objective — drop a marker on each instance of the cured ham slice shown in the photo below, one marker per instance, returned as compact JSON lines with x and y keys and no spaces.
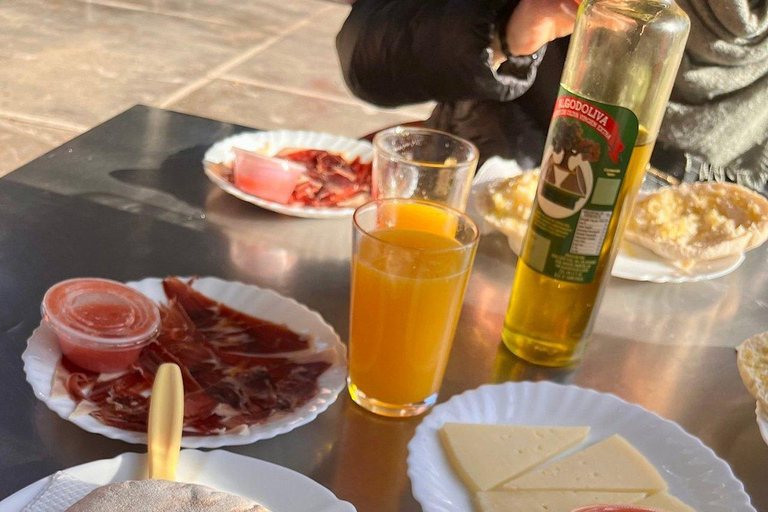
{"x":227,"y":329}
{"x":238,"y":370}
{"x":328,"y":179}
{"x":331,"y":179}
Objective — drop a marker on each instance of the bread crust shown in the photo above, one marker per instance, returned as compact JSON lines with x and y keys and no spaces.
{"x":162,"y":496}
{"x":752,"y":361}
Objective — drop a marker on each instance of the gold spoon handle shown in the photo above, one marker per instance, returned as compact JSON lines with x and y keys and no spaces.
{"x":166,"y":420}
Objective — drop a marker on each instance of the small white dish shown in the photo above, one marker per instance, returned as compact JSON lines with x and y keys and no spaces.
{"x":43,"y":353}
{"x":694,"y":473}
{"x":270,"y":143}
{"x":277,"y":488}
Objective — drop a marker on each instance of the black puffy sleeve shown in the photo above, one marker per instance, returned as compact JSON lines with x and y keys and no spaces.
{"x":396,"y":52}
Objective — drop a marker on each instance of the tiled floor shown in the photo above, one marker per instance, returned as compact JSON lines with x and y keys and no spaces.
{"x":70,"y":64}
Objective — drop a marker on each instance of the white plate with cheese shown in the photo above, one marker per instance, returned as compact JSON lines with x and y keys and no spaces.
{"x":690,"y":470}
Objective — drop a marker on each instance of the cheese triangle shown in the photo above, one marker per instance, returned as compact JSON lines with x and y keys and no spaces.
{"x":610,"y":465}
{"x":550,"y":501}
{"x":664,"y":502}
{"x":484,"y":456}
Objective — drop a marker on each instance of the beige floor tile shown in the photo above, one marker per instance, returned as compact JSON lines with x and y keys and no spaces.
{"x":260,"y":107}
{"x":306,"y":61}
{"x":21,"y":142}
{"x":271,"y":16}
{"x":80,"y":63}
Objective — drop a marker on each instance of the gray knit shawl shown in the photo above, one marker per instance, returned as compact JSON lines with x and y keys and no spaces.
{"x":719,"y":107}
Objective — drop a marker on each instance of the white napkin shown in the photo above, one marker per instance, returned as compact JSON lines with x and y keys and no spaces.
{"x":61,"y":492}
{"x":494,"y":169}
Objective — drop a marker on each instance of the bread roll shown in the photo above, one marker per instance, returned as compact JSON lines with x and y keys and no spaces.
{"x":162,"y":496}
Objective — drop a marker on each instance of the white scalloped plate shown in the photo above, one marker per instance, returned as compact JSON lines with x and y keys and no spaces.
{"x":694,"y":473}
{"x":277,"y":488}
{"x":270,"y":143}
{"x":43,"y":353}
{"x":639,"y":264}
{"x":633,"y":262}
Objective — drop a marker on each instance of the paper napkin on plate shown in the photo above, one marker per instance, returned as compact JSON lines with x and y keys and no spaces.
{"x":61,"y":492}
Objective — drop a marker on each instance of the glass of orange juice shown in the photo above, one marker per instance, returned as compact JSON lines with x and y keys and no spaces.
{"x":410,"y":264}
{"x":421,"y":163}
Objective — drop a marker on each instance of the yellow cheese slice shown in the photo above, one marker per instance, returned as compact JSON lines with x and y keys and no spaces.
{"x":665,"y":502}
{"x":610,"y":465}
{"x":549,"y":501}
{"x":484,"y":456}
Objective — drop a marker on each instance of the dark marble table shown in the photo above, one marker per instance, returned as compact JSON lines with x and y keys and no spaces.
{"x":129,"y":199}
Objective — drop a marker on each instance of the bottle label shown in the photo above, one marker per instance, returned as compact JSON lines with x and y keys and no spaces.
{"x":585,"y":160}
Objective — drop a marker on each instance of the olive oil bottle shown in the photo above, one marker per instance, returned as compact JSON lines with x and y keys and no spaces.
{"x":618,"y":76}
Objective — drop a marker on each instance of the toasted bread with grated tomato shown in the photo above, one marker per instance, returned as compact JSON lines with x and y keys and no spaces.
{"x":699,"y":222}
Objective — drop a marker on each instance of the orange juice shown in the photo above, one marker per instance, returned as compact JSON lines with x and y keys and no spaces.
{"x":407,"y":290}
{"x":419,"y":217}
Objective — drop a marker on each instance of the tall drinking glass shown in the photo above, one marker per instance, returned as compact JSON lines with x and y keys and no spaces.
{"x":423,"y":164}
{"x":410,"y":263}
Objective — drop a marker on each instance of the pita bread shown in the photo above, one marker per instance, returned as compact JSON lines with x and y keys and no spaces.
{"x":753,"y":366}
{"x":162,"y":496}
{"x":699,"y":222}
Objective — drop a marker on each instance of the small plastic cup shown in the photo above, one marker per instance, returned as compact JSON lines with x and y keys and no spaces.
{"x":272,"y":179}
{"x":101,"y":325}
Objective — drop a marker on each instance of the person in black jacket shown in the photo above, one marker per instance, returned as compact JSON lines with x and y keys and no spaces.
{"x":472,"y":56}
{"x":494,"y":68}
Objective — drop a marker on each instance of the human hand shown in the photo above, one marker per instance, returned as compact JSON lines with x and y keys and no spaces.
{"x":535,"y":23}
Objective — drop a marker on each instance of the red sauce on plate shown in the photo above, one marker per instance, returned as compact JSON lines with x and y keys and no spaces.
{"x":101,"y":325}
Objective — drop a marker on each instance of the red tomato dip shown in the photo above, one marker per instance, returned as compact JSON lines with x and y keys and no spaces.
{"x":101,"y":325}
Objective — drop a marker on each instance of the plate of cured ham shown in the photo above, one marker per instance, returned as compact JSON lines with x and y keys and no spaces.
{"x":298,"y":173}
{"x":255,"y":364}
